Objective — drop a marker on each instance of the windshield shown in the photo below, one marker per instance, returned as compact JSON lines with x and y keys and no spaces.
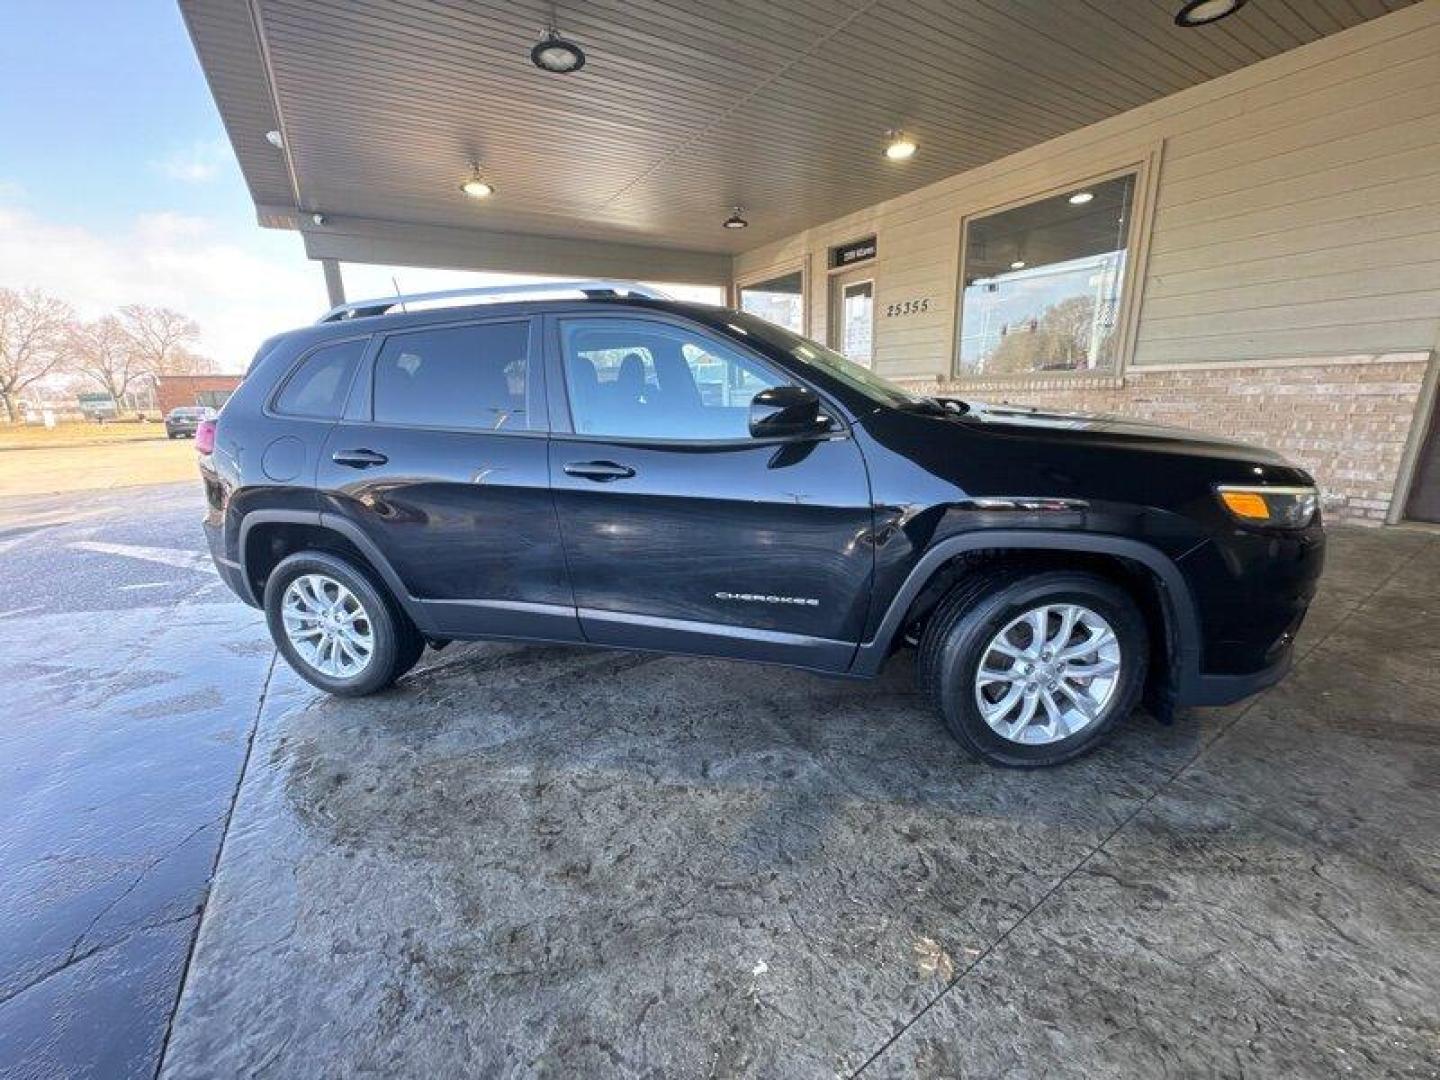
{"x":812,"y":354}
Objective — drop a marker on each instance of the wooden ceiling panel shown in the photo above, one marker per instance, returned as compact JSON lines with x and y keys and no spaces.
{"x":686,"y":107}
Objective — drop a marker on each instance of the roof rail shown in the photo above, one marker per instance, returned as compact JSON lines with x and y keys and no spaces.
{"x":594,"y":290}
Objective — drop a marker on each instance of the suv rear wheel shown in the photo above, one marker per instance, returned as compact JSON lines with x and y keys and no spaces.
{"x":336,"y":627}
{"x":1029,"y":669}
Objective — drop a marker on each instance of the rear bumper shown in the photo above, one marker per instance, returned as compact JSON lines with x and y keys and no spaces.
{"x":230,"y":571}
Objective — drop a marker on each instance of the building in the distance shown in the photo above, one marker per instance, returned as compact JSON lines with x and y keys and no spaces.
{"x":174,"y":391}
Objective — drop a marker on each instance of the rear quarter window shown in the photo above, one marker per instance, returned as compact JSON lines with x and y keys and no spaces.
{"x":318,"y":387}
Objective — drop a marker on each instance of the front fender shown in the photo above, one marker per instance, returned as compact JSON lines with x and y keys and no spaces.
{"x":1182,"y":620}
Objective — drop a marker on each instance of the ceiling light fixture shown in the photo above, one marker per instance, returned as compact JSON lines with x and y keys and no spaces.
{"x":1080,"y":198}
{"x":1203,"y":12}
{"x":899,"y":146}
{"x":477,"y":187}
{"x":736,"y":220}
{"x":556,"y":54}
{"x":275,"y":139}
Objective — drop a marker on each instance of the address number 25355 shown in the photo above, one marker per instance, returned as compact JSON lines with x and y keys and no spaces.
{"x":907,"y":307}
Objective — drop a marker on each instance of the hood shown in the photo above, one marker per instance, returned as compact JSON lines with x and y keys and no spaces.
{"x":1120,"y":432}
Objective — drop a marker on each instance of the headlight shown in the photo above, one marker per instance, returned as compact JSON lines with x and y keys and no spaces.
{"x":1279,"y":507}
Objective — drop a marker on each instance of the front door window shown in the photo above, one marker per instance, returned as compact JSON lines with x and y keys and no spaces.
{"x":641,"y":379}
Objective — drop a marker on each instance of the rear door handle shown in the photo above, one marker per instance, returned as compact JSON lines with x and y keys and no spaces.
{"x":601,"y":471}
{"x":358,"y":459}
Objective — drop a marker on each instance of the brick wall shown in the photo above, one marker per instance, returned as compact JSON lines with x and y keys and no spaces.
{"x":174,"y":391}
{"x":1345,"y":419}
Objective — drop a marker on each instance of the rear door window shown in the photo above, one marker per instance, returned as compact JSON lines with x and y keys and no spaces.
{"x":320,"y":384}
{"x":470,"y":378}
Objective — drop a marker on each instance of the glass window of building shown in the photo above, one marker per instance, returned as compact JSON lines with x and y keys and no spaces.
{"x":780,"y":300}
{"x":1043,"y":283}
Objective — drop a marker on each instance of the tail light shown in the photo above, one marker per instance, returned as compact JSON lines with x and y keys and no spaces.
{"x":205,"y":437}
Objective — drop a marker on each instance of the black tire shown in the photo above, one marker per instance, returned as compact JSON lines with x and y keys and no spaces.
{"x":397,"y":645}
{"x":412,"y":646}
{"x":967,"y":620}
{"x":170,"y":435}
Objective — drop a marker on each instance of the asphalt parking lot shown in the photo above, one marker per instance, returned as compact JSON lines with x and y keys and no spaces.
{"x":131,"y":687}
{"x":553,"y":861}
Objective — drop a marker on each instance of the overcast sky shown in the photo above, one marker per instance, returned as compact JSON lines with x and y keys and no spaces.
{"x":117,"y":184}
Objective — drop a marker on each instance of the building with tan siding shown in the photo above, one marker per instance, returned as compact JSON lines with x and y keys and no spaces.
{"x":1234,"y":228}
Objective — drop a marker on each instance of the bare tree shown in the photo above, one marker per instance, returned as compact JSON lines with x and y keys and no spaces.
{"x":33,"y":332}
{"x":189,"y":362}
{"x":162,"y":339}
{"x":1059,"y":339}
{"x":104,"y":352}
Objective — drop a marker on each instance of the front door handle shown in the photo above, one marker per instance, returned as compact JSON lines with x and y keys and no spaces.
{"x":601,"y":471}
{"x":358,"y":459}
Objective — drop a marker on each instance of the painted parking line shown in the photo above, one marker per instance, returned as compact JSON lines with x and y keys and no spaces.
{"x":185,"y":560}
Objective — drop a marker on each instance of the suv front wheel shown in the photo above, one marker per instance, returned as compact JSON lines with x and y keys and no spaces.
{"x":336,"y":627}
{"x":1032,"y":669}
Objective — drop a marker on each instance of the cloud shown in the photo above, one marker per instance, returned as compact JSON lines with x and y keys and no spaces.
{"x":240,"y":294}
{"x":198,"y":163}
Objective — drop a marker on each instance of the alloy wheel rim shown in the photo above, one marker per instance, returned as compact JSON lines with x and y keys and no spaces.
{"x":1048,"y":674}
{"x":327,"y":626}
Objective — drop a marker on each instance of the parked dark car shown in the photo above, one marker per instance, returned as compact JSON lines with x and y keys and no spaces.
{"x":181,"y":422}
{"x":645,"y":474}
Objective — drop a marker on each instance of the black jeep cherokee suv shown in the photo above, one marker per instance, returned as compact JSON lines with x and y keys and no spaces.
{"x":646,"y":474}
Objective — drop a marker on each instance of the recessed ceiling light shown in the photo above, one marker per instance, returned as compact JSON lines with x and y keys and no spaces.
{"x":477,"y":187}
{"x":557,"y":55}
{"x":736,"y":220}
{"x":1018,"y":264}
{"x":275,"y":139}
{"x":899,"y":146}
{"x":1080,"y":198}
{"x":1204,"y":12}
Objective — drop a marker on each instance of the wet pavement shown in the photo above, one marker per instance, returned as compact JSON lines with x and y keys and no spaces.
{"x":551,"y":861}
{"x":554,"y":861}
{"x":131,"y":686}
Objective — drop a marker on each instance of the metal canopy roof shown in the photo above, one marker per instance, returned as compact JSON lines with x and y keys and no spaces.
{"x":684,"y":109}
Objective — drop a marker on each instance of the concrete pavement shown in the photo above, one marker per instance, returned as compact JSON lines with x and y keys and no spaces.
{"x":556,"y":861}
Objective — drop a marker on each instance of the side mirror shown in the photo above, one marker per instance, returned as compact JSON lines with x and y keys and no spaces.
{"x":786,"y":412}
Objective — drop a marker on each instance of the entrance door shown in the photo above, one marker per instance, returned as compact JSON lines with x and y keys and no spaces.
{"x":682,"y":532}
{"x":852,"y":315}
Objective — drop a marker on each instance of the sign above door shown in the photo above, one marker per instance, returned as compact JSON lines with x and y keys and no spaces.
{"x":857,"y":251}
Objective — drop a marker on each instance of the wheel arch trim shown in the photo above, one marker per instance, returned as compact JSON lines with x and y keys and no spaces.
{"x":1179,"y":606}
{"x":340,"y":527}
